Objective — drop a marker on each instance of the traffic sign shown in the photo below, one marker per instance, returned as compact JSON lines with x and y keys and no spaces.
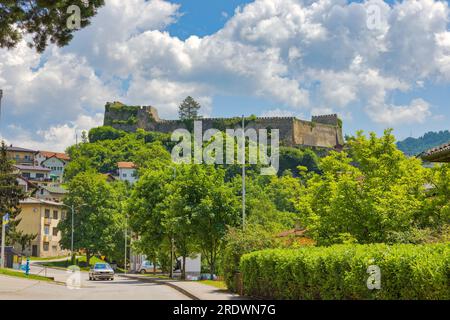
{"x":6,"y":219}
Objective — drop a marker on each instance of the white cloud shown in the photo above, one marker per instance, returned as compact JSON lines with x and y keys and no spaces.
{"x":417,"y":112}
{"x":307,"y":56}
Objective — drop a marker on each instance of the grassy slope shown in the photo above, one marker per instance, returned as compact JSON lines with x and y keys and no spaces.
{"x":63,"y":264}
{"x":18,"y":274}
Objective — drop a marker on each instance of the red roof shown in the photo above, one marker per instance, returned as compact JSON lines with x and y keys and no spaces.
{"x":125,"y":165}
{"x":59,"y":155}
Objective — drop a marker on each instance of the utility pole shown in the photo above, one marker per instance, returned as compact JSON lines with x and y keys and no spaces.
{"x":125,"y":260}
{"x":243,"y":172}
{"x":171,"y":258}
{"x":5,"y":221}
{"x":72,"y":208}
{"x":1,"y":96}
{"x":71,"y":237}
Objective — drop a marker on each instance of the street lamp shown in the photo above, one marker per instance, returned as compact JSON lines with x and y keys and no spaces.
{"x":73,"y":213}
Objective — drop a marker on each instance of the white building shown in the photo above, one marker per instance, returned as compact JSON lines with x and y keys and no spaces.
{"x":54,"y":161}
{"x":127,"y":172}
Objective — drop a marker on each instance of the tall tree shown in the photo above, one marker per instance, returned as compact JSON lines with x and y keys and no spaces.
{"x":98,"y":218}
{"x":188,"y":109}
{"x":44,"y":20}
{"x":367,"y":195}
{"x":10,"y":192}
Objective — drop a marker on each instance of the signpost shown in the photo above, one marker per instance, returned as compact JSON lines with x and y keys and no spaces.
{"x":5,"y":221}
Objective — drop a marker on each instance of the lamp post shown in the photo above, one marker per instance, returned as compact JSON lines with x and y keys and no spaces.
{"x":73,"y":214}
{"x":243,"y":172}
{"x":1,"y":96}
{"x":172,"y":240}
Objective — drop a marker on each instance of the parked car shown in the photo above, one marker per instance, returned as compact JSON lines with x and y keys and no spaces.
{"x":101,"y":270}
{"x":146,"y":267}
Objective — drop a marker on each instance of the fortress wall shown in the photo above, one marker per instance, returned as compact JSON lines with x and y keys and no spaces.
{"x":321,"y":132}
{"x":284,"y":125}
{"x":315,"y":134}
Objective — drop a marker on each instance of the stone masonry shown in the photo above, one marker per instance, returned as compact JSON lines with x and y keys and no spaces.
{"x":323,"y":131}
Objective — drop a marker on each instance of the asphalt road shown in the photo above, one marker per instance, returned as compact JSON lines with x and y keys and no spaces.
{"x":119,"y":289}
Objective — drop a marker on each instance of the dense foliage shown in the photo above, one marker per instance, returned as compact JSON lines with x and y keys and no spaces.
{"x":341,"y":272}
{"x":98,"y":216}
{"x":10,"y":196}
{"x":43,"y":20}
{"x":372,"y":193}
{"x":415,"y":146}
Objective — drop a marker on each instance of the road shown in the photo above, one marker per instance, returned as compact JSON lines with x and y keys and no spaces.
{"x":12,"y":288}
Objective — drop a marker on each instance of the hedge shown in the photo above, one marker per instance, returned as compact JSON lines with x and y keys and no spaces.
{"x":340,"y":272}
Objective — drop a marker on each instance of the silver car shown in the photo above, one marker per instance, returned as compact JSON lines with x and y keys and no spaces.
{"x":101,"y":270}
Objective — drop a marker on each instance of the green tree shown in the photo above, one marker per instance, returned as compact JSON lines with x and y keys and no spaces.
{"x":214,"y":206}
{"x":98,"y":220}
{"x":23,"y":239}
{"x":10,"y":194}
{"x":364,"y":195}
{"x":43,"y":20}
{"x":188,"y":109}
{"x":104,"y":133}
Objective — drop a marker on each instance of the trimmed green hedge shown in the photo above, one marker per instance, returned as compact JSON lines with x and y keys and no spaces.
{"x":340,"y":272}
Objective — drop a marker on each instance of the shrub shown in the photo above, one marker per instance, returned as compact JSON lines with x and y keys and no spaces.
{"x":238,"y":243}
{"x":340,"y":272}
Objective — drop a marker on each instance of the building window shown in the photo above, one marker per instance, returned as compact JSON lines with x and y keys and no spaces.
{"x":39,"y":175}
{"x":124,"y":175}
{"x":46,"y":230}
{"x":45,"y":246}
{"x":47,"y":213}
{"x":55,"y":232}
{"x":55,"y":214}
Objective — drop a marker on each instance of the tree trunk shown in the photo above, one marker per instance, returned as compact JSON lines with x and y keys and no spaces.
{"x":211,"y":267}
{"x":183,"y":270}
{"x":88,"y":258}
{"x":154,"y":266}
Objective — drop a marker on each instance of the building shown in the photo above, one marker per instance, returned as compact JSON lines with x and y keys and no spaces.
{"x":21,"y":156}
{"x":41,"y":217}
{"x":127,"y":172}
{"x":38,"y":175}
{"x":27,"y":186}
{"x":56,"y":165}
{"x":51,"y":193}
{"x":438,"y":154}
{"x":55,"y":161}
{"x":323,"y":131}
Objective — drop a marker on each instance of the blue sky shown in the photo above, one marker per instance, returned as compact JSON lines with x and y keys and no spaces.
{"x":205,"y":17}
{"x":269,"y":58}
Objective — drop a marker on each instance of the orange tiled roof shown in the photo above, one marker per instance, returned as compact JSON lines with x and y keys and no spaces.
{"x":59,"y":155}
{"x":125,"y":165}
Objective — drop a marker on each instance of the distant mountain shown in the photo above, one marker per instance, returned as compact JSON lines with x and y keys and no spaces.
{"x":414,"y":146}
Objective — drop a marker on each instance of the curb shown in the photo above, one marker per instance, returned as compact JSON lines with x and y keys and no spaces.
{"x":164,"y":282}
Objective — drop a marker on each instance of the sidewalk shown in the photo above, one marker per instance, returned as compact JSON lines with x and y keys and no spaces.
{"x":193,"y":289}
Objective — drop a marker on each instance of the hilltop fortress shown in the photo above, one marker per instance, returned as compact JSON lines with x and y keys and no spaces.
{"x":322,"y":131}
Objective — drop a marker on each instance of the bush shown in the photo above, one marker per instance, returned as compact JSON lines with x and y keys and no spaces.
{"x":340,"y":272}
{"x":104,"y":133}
{"x":238,"y":243}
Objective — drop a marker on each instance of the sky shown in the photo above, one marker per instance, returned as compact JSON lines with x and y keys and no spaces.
{"x":378,"y":64}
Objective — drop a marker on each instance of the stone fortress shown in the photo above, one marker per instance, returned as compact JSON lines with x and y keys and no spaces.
{"x":322,"y":131}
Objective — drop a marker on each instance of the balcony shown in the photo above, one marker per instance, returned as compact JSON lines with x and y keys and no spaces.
{"x":47,"y":221}
{"x":46,"y":238}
